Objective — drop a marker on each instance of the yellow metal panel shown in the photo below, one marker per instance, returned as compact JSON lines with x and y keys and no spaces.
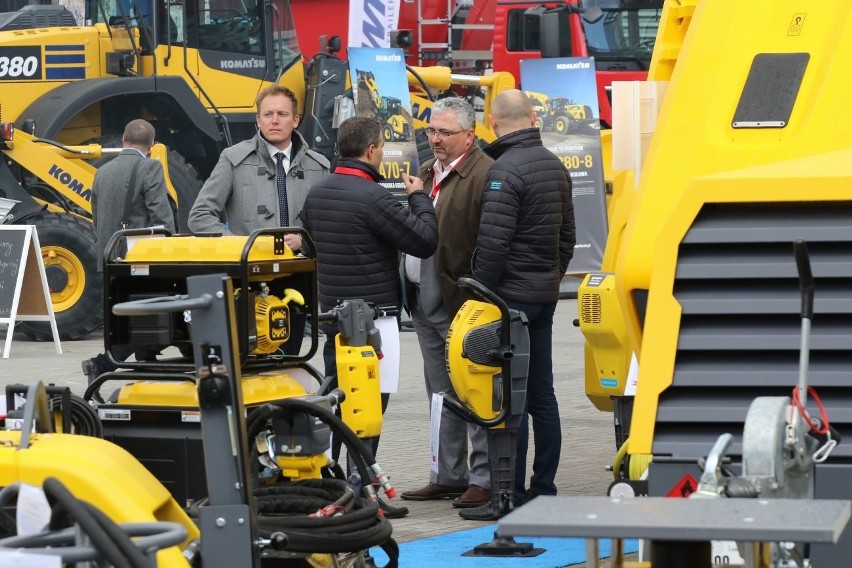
{"x":99,"y":472}
{"x":358,"y":377}
{"x":257,"y":389}
{"x":824,"y":177}
{"x":227,"y":248}
{"x":696,"y":156}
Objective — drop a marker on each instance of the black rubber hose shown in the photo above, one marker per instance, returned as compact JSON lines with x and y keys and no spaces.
{"x":84,"y":418}
{"x":116,"y":554}
{"x":358,"y":529}
{"x":391,"y":548}
{"x":362,"y":456}
{"x":118,"y":536}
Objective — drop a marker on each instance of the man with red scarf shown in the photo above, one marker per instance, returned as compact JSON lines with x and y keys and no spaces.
{"x":359,"y":228}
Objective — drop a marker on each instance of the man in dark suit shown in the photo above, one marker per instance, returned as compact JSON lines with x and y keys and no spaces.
{"x":129,"y":192}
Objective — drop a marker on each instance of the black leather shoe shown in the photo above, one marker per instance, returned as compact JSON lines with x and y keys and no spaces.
{"x":90,"y":369}
{"x":484,"y":513}
{"x":392,"y":512}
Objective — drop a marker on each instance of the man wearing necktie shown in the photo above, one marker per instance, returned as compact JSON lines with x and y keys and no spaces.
{"x":455,"y":181}
{"x":263,"y":182}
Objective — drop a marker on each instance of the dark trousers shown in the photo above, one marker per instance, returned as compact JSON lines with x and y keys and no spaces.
{"x":293,"y":345}
{"x":541,"y":405}
{"x":329,"y":358}
{"x":122,"y":353}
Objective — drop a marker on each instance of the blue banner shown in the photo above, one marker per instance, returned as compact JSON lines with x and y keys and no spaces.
{"x":380,"y":90}
{"x":564,"y":96}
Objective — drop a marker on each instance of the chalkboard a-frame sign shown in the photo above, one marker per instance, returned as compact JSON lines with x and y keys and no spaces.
{"x":24,"y":295}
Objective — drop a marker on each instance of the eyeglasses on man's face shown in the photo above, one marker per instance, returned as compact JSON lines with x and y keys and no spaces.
{"x":430,"y":132}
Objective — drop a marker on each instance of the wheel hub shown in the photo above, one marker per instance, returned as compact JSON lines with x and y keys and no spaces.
{"x":57,"y":278}
{"x":66,"y":276}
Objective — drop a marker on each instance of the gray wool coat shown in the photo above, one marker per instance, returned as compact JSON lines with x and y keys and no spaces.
{"x":241,"y":190}
{"x":146,"y":204}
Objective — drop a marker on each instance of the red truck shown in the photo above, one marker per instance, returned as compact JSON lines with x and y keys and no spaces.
{"x":619,"y":34}
{"x":442,"y":31}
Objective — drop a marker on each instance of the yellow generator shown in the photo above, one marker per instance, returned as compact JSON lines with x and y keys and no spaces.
{"x":154,"y":412}
{"x":104,"y":508}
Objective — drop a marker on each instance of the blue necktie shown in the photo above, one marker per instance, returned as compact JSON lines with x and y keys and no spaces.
{"x":281,"y":182}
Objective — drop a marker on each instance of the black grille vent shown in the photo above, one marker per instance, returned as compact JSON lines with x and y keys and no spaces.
{"x":740,"y":330}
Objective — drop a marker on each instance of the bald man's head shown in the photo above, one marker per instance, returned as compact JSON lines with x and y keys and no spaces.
{"x":511,"y":111}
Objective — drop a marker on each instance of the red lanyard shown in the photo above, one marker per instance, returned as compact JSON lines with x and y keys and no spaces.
{"x":436,"y":185}
{"x":353,"y":172}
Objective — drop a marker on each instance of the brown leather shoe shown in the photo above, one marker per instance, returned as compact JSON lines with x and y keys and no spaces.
{"x":432,"y":492}
{"x":475,"y":496}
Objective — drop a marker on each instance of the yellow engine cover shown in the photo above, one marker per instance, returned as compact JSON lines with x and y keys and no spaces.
{"x":227,"y":248}
{"x":477,"y":385}
{"x":606,"y":353}
{"x":358,"y":377}
{"x":257,"y":389}
{"x":99,"y":472}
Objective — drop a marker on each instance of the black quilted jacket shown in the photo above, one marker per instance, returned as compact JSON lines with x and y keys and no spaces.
{"x":358,"y":228}
{"x":526,"y":234}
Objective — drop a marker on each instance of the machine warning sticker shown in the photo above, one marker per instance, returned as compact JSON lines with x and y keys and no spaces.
{"x":20,"y":63}
{"x":190,"y":416}
{"x":113,"y":414}
{"x":684,"y":488}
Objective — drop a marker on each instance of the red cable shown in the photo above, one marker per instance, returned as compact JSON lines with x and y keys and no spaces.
{"x":818,"y":428}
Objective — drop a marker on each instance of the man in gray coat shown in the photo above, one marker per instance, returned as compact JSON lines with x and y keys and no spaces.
{"x":129,"y":192}
{"x":263,"y":182}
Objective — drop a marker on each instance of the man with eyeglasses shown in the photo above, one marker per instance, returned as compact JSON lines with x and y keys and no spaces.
{"x":263,"y":182}
{"x":526,"y":240}
{"x":454,"y":180}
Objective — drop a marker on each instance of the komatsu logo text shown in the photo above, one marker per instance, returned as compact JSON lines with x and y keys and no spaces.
{"x":72,"y":183}
{"x":242,"y":64}
{"x":576,"y":65}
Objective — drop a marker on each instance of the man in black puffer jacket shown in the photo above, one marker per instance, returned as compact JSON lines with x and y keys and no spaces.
{"x":359,"y":228}
{"x":526,"y":239}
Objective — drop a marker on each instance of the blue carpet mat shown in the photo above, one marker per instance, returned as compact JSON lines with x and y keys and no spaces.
{"x":447,"y":550}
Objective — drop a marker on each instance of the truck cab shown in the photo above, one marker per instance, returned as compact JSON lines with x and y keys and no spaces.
{"x":619,"y":34}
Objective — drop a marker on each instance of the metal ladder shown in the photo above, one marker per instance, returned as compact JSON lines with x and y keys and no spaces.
{"x":440,"y":50}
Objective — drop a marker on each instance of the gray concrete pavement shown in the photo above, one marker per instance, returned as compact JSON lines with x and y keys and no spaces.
{"x":588,"y":441}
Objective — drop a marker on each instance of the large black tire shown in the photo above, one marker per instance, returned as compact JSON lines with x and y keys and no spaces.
{"x":187,"y":185}
{"x":76,"y":288}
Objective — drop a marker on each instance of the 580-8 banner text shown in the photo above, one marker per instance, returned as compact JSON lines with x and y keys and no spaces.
{"x":577,"y":162}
